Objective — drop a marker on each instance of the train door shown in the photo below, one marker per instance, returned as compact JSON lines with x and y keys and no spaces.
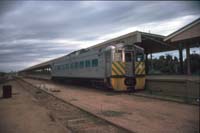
{"x":130,"y":80}
{"x":129,"y":67}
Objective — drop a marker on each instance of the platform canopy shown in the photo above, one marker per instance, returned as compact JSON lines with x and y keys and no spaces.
{"x":186,"y":37}
{"x":152,"y":43}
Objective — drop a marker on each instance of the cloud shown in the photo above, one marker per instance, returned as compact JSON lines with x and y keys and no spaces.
{"x":35,"y":31}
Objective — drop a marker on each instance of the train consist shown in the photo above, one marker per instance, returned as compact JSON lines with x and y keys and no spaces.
{"x":120,"y":67}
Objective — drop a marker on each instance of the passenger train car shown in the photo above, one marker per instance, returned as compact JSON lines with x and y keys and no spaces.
{"x":120,"y":67}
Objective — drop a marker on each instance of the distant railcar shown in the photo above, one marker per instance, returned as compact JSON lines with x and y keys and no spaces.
{"x":120,"y":67}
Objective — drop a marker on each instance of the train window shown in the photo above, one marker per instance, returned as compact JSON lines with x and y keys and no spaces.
{"x":71,"y":66}
{"x":87,"y":63}
{"x":66,"y":66}
{"x":76,"y":65}
{"x":94,"y":62}
{"x":81,"y":64}
{"x":118,"y":56}
{"x":63,"y":67}
{"x":139,"y":57}
{"x":58,"y":67}
{"x":128,"y":57}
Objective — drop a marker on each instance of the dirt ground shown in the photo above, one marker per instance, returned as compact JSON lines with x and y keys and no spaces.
{"x":138,"y":114}
{"x":22,"y":114}
{"x":31,"y":110}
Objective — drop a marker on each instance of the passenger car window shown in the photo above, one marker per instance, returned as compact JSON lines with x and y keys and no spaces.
{"x":71,"y":66}
{"x":66,"y":66}
{"x":87,"y":63}
{"x":81,"y":64}
{"x":63,"y":67}
{"x":58,"y":67}
{"x":94,"y":62}
{"x":76,"y":65}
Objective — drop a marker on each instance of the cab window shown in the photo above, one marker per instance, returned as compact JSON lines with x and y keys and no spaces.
{"x":128,"y":57}
{"x":118,"y":55}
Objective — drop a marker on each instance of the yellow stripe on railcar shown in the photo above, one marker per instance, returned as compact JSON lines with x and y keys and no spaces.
{"x":118,"y":72}
{"x":140,"y":75}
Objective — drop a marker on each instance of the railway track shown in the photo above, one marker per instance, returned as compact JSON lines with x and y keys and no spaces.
{"x":71,"y":117}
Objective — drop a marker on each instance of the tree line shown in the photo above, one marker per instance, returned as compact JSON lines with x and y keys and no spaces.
{"x":167,"y":64}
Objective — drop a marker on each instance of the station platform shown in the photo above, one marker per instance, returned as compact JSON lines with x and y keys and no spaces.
{"x":182,"y":86}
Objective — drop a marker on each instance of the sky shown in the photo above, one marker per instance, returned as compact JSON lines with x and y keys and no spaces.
{"x":32,"y":32}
